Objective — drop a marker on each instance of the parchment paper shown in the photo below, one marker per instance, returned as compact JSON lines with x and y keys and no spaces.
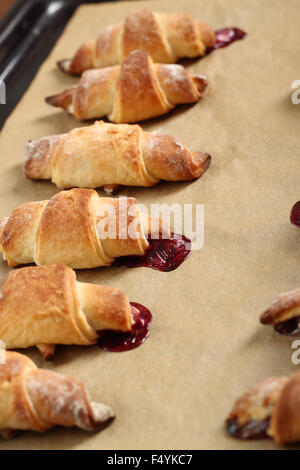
{"x":206,"y":344}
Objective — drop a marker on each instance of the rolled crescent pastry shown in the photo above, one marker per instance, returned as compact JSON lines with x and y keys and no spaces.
{"x":44,"y":306}
{"x":271,"y":408}
{"x":110,"y":155}
{"x":284,"y":313}
{"x":77,"y":228}
{"x":167,"y":37}
{"x":38,"y":399}
{"x":136,"y":90}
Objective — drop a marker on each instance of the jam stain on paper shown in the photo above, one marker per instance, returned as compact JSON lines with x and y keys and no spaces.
{"x":118,"y":341}
{"x":226,"y":36}
{"x":163,"y":254}
{"x":249,"y":430}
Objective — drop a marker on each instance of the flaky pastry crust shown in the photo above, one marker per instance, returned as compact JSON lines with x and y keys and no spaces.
{"x":283,"y":308}
{"x":167,"y":37}
{"x":77,"y":228}
{"x":44,"y":306}
{"x":136,"y":90}
{"x":278,"y":401}
{"x":37,"y":400}
{"x":110,"y":155}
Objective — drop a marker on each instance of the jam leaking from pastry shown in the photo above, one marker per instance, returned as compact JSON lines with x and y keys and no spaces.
{"x":226,"y":36}
{"x":288,"y":327}
{"x":250,"y":430}
{"x":118,"y":341}
{"x":163,"y":254}
{"x":295,"y":214}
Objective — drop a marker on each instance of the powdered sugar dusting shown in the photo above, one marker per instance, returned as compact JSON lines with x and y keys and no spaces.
{"x":64,"y":400}
{"x":40,"y":148}
{"x":102,"y":413}
{"x":173,"y":76}
{"x":179,"y":144}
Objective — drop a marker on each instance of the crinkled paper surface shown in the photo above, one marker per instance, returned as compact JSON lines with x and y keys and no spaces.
{"x":206,"y":344}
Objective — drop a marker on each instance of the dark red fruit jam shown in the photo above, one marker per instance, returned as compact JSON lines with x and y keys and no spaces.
{"x":250,"y":430}
{"x":226,"y":36}
{"x":295,"y":214}
{"x":118,"y":341}
{"x":163,"y":255}
{"x":289,"y":327}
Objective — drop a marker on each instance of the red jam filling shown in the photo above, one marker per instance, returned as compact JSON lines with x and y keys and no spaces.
{"x":250,"y":430}
{"x":227,"y":36}
{"x":162,"y":255}
{"x":288,"y":327}
{"x":118,"y":341}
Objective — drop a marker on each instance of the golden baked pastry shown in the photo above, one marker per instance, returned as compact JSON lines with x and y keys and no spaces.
{"x":136,"y":90}
{"x":110,"y":155}
{"x":38,"y":399}
{"x":44,"y":306}
{"x":270,"y":408}
{"x":167,"y":37}
{"x":284,"y":313}
{"x":77,"y":228}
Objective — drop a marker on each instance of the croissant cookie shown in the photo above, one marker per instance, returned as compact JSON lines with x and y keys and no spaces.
{"x":271,"y":408}
{"x":110,"y":155}
{"x":136,"y":90}
{"x":166,"y":37}
{"x":77,"y":228}
{"x":284,"y":313}
{"x":44,"y":306}
{"x":38,"y":399}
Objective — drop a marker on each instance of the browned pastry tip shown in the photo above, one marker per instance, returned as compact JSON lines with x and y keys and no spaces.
{"x":200,"y":82}
{"x":83,"y":60}
{"x":37,"y":400}
{"x":200,"y":163}
{"x":62,"y":400}
{"x":168,"y":158}
{"x":62,"y":100}
{"x":64,"y":65}
{"x":38,"y":155}
{"x":283,"y":308}
{"x":47,"y":351}
{"x":111,"y":189}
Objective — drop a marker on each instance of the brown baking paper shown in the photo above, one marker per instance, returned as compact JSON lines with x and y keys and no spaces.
{"x":206,"y":345}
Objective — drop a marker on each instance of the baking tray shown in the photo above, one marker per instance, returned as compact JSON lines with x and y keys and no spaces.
{"x":206,"y":345}
{"x":27,"y":34}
